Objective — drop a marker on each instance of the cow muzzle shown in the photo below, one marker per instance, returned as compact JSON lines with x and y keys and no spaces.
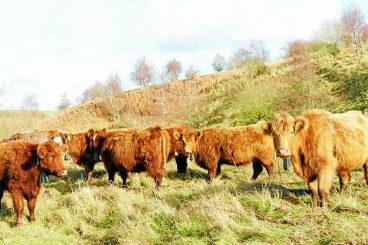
{"x":283,"y":152}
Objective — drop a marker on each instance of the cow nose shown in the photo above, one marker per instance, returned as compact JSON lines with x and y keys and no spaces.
{"x":283,"y":152}
{"x":65,"y":172}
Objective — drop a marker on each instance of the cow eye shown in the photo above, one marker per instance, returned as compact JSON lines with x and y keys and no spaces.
{"x":292,"y":132}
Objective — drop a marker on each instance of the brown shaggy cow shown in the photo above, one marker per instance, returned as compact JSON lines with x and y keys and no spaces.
{"x":21,"y":164}
{"x":80,"y":149}
{"x":38,"y":137}
{"x":321,"y":143}
{"x":135,"y":151}
{"x":235,"y":146}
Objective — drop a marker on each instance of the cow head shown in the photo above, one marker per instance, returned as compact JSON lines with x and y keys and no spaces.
{"x":90,"y":137}
{"x":178,"y":142}
{"x":190,"y":138}
{"x":96,"y":141}
{"x":50,"y":158}
{"x":283,"y":127}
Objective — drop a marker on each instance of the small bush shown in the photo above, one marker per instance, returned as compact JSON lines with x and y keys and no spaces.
{"x":256,"y":67}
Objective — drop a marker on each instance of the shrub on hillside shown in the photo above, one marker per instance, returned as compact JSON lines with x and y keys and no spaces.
{"x":254,"y":103}
{"x":256,"y":67}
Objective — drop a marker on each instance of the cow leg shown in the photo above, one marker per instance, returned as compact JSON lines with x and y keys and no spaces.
{"x":324,"y":186}
{"x":344,"y":177}
{"x":181,"y":163}
{"x":269,"y":168}
{"x":111,"y":174}
{"x":158,"y":176}
{"x":110,"y":169}
{"x":124,"y":176}
{"x":156,"y":172}
{"x":89,"y":171}
{"x":257,"y":169}
{"x":18,"y":206}
{"x":218,"y":170}
{"x":313,"y":187}
{"x":212,"y":174}
{"x":365,"y":168}
{"x":1,"y":196}
{"x":31,"y":203}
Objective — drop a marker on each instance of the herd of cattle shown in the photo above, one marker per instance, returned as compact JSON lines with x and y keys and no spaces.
{"x":319,"y":143}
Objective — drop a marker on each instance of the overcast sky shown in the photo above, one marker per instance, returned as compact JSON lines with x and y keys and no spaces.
{"x":50,"y":47}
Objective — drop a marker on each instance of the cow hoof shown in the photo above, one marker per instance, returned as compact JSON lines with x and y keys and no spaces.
{"x":18,"y":224}
{"x":30,"y":219}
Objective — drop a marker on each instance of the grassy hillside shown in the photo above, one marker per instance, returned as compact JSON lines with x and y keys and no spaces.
{"x":187,"y":210}
{"x":314,"y":79}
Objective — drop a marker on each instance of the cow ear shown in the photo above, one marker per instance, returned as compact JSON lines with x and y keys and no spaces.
{"x":266,"y":127}
{"x":300,"y":124}
{"x":41,"y":151}
{"x":177,"y":135}
{"x":57,"y":140}
{"x":90,"y":132}
{"x":198,"y":134}
{"x":104,"y":130}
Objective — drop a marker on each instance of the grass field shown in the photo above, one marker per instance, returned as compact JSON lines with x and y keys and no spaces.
{"x":188,"y":210}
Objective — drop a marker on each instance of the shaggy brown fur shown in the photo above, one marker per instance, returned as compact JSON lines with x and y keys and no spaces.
{"x":323,"y":143}
{"x":235,"y":146}
{"x":134,"y":151}
{"x":80,"y":149}
{"x":21,"y":164}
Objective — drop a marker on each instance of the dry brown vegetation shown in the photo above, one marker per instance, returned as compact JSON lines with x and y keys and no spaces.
{"x":164,"y":104}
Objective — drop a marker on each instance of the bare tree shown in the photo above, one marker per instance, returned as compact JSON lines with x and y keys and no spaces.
{"x":143,"y":73}
{"x":64,"y":102}
{"x":239,"y":58}
{"x":353,"y":22}
{"x":97,"y":90}
{"x":330,"y":32}
{"x":113,"y":85}
{"x":365,"y":34}
{"x":296,"y":49}
{"x":219,"y":63}
{"x":191,"y":72}
{"x":258,"y":50}
{"x":30,"y":102}
{"x":173,"y":69}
